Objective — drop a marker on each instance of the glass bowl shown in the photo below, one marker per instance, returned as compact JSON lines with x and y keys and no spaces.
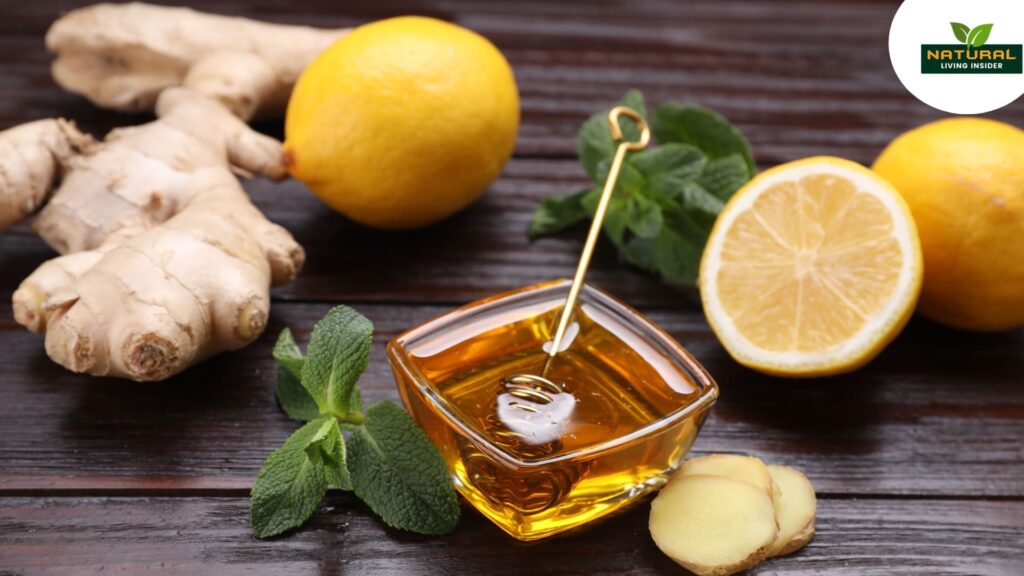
{"x":628,"y":405}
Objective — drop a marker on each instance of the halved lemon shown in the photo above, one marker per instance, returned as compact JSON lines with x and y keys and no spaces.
{"x":811,"y":268}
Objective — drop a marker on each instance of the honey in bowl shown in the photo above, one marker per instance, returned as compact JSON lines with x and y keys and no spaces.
{"x":624,"y":405}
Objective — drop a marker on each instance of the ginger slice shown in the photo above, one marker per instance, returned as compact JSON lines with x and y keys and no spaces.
{"x":713,"y":525}
{"x":795,"y":509}
{"x":736,"y":466}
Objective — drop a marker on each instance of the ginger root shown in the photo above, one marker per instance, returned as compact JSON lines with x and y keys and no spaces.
{"x":31,"y":159}
{"x":122,"y":56}
{"x":140,"y":176}
{"x":168,"y":262}
{"x":165,"y":261}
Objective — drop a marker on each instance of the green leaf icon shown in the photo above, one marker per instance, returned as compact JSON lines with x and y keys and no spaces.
{"x":960,"y":31}
{"x":979,"y":35}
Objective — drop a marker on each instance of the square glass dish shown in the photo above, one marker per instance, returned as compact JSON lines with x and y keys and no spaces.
{"x":627,"y":405}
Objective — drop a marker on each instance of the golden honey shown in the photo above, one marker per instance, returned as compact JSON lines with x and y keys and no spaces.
{"x":627,"y":407}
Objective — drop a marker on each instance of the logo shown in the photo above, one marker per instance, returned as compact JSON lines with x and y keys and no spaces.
{"x":971,"y":56}
{"x":960,"y":57}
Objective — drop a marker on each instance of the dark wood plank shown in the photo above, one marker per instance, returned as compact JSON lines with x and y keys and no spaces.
{"x":72,"y":536}
{"x":939,"y":413}
{"x":831,"y":92}
{"x":905,"y":453}
{"x":479,"y":252}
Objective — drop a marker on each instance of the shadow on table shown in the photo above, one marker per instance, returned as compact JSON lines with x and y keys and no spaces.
{"x":211,"y":422}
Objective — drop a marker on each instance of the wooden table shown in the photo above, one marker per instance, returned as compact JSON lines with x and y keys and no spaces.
{"x":917,"y":459}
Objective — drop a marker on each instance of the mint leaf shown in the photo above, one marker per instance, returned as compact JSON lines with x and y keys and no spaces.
{"x":392,"y":465}
{"x":338,"y":353}
{"x":322,"y":447}
{"x":722,"y":177}
{"x":696,"y":200}
{"x":594,"y":142}
{"x":702,"y":128}
{"x":677,"y":250}
{"x":594,"y":145}
{"x":643,"y":216}
{"x":556,"y":213}
{"x":614,"y":219}
{"x":327,"y":449}
{"x":630,"y":180}
{"x":640,"y":252}
{"x":287,"y":353}
{"x":670,"y":169}
{"x":293,"y":398}
{"x":674,"y":161}
{"x":979,"y":35}
{"x":667,"y":197}
{"x":960,"y":31}
{"x":299,"y":405}
{"x":355,"y":402}
{"x":400,"y":474}
{"x":289,"y":487}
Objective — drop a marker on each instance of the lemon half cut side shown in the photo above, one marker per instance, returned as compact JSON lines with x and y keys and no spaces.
{"x":811,"y":268}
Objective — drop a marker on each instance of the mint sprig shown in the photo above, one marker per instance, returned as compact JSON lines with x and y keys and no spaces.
{"x":667,"y":197}
{"x":389,"y":463}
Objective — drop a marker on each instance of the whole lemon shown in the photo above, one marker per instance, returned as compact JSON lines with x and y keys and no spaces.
{"x":964,"y":181}
{"x":402,"y":122}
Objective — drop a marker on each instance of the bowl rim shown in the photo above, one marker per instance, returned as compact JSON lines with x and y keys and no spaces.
{"x":399,"y":356}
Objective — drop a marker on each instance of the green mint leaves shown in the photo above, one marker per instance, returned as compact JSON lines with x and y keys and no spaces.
{"x":296,"y":402}
{"x":399,"y":474}
{"x":667,"y":197}
{"x":975,"y":38}
{"x":703,"y":129}
{"x":339,"y":351}
{"x":293,"y":398}
{"x":289,"y":487}
{"x":389,"y":462}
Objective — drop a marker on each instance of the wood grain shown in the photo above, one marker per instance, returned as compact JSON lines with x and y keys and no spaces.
{"x":833,"y":92}
{"x":72,"y":536}
{"x":918,"y":458}
{"x":925,"y":419}
{"x":800,"y":78}
{"x":478,"y":252}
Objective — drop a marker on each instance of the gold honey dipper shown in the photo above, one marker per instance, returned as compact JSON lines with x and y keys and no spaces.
{"x":536,"y":388}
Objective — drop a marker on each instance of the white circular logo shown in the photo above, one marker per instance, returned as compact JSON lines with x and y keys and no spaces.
{"x":960,"y":57}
